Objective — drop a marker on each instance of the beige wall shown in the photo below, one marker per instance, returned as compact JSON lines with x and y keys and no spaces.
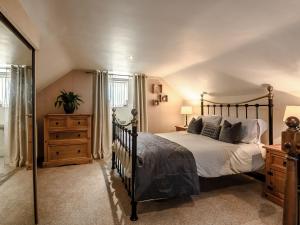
{"x":166,"y":115}
{"x":76,"y":81}
{"x":14,"y":12}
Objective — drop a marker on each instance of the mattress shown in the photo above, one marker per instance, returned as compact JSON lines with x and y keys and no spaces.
{"x":215,"y":158}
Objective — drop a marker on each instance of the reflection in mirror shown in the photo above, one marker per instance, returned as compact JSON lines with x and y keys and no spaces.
{"x":16,"y":178}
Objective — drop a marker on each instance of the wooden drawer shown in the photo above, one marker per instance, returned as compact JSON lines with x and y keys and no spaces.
{"x":58,"y":152}
{"x":277,"y":162}
{"x":57,"y":122}
{"x":79,"y":122}
{"x":68,"y":135}
{"x":67,"y":139}
{"x":275,"y":183}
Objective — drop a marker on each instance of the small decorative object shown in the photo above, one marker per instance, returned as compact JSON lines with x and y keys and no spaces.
{"x":186,"y":110}
{"x":155,"y":102}
{"x":164,"y":98}
{"x":156,"y":88}
{"x":69,"y":100}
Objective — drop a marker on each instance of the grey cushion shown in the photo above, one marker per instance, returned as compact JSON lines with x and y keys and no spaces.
{"x":211,"y":119}
{"x":231,"y":133}
{"x":211,"y":130}
{"x":195,"y":126}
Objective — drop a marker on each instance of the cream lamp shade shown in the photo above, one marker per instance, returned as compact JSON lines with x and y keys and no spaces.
{"x":187,"y":110}
{"x":291,"y":111}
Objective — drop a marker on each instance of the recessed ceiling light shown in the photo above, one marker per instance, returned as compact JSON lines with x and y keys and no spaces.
{"x":131,"y":57}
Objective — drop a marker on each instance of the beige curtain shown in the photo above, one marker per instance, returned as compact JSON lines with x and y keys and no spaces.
{"x":140,"y":101}
{"x":101,"y":117}
{"x":20,"y":104}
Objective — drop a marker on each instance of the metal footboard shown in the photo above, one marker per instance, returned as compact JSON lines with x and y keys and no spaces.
{"x":124,"y":155}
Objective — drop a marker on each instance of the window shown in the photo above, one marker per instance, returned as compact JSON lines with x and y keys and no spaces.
{"x":118,"y":92}
{"x":4,"y":86}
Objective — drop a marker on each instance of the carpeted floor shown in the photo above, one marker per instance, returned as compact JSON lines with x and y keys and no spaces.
{"x":5,"y":171}
{"x":91,"y":195}
{"x":16,"y":199}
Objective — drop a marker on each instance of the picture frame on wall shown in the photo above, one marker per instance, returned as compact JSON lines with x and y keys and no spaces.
{"x":156,"y":88}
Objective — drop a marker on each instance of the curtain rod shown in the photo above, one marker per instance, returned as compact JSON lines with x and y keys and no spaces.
{"x":9,"y":67}
{"x":115,"y":74}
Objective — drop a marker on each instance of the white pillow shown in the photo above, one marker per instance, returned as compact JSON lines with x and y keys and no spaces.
{"x":252,"y":129}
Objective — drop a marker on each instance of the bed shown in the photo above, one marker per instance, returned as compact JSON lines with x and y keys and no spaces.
{"x":215,"y":158}
{"x":168,"y":165}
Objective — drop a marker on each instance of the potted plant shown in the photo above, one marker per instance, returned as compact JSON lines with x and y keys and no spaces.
{"x":69,"y":100}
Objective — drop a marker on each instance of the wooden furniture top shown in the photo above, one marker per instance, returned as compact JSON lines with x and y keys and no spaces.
{"x":180,"y":128}
{"x":63,"y":114}
{"x":276,"y":147}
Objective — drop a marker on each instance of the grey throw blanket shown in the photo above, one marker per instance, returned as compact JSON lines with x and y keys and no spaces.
{"x":164,"y":169}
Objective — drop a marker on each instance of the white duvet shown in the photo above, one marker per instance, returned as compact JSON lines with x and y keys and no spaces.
{"x":215,"y":158}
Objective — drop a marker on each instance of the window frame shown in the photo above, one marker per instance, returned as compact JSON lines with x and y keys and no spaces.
{"x":111,"y":92}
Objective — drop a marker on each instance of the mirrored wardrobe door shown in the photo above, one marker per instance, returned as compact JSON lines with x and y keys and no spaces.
{"x":17,"y":158}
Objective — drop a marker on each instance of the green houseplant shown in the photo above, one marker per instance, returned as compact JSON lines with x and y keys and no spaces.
{"x":69,"y":100}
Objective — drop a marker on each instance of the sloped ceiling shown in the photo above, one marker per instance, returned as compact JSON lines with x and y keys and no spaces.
{"x":223,"y":47}
{"x":12,"y":49}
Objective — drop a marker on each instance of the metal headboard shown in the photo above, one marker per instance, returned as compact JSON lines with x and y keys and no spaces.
{"x":252,"y":103}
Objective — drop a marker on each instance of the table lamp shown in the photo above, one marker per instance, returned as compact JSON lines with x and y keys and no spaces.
{"x":186,"y":110}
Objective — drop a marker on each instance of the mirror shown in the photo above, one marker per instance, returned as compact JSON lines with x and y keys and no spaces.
{"x":17,"y":167}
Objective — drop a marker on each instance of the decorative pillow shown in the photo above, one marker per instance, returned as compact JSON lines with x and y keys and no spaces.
{"x":195,"y":126}
{"x":231,"y":133}
{"x":211,"y":130}
{"x":252,"y":129}
{"x":211,"y":119}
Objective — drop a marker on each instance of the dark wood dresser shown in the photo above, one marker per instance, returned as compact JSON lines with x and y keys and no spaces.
{"x":67,"y":139}
{"x":275,"y":174}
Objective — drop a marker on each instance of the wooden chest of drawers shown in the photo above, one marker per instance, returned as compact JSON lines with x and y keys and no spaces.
{"x":67,"y":139}
{"x":275,"y":174}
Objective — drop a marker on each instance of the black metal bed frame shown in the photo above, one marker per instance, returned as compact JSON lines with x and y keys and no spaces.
{"x":128,"y":137}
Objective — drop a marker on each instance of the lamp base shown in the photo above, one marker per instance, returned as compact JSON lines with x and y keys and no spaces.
{"x":186,"y":124}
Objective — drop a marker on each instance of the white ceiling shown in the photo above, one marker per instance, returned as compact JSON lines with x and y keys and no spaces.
{"x":223,"y":47}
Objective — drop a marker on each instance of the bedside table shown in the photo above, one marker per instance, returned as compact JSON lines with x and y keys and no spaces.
{"x":181,"y":128}
{"x":275,"y":174}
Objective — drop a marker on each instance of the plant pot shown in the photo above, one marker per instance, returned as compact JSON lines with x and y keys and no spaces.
{"x":69,"y":108}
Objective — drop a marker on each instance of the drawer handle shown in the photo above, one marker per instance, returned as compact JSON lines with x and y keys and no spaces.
{"x":270,"y":188}
{"x":57,"y":153}
{"x":56,"y":136}
{"x":78,"y":122}
{"x":270,"y":173}
{"x":78,"y":135}
{"x":56,"y":123}
{"x":287,"y":145}
{"x":284,"y":163}
{"x":78,"y":151}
